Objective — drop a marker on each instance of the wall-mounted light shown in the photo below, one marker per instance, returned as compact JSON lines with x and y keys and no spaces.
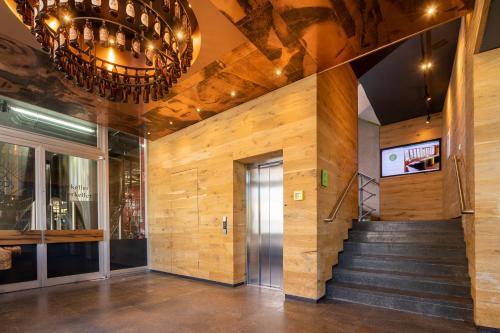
{"x":52,"y":120}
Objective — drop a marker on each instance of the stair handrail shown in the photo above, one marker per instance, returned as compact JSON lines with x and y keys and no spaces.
{"x":340,"y":201}
{"x":461,"y":194}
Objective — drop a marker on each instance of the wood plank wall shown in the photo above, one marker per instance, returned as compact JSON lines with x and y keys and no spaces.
{"x":301,"y":123}
{"x":338,"y":154}
{"x":411,"y":197}
{"x":466,"y":118}
{"x":283,"y":121}
{"x":487,"y":188}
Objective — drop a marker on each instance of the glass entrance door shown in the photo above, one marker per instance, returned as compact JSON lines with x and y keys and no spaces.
{"x":52,"y":212}
{"x":72,"y":232}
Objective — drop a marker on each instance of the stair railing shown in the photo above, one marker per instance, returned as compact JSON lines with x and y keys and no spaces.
{"x":461,"y":193}
{"x":365,"y":195}
{"x":340,"y":201}
{"x":363,"y":210}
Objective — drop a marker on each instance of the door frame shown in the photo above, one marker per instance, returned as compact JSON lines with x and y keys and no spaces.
{"x":41,"y":144}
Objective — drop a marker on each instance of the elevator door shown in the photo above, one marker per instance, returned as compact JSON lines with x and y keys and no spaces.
{"x":265,"y":224}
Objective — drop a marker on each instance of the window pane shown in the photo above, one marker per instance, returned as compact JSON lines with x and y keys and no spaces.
{"x":72,"y":259}
{"x":71,"y":192}
{"x":23,"y":266}
{"x":34,"y":119}
{"x":126,"y":200}
{"x":17,"y":187}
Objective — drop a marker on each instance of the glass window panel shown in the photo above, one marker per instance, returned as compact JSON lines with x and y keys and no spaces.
{"x":128,"y":246}
{"x":72,"y":258}
{"x":71,"y":192}
{"x":23,"y":266}
{"x":17,"y":187}
{"x":34,"y":119}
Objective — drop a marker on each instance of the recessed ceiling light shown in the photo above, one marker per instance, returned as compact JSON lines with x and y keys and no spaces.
{"x":278,"y":72}
{"x":426,"y":66}
{"x":171,"y":122}
{"x":431,"y":10}
{"x":149,"y":133}
{"x":233,"y":93}
{"x":198,"y":110}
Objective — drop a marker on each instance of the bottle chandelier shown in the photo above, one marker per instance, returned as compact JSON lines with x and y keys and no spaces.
{"x":126,"y":51}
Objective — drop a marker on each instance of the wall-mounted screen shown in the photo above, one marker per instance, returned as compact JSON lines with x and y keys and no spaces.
{"x":410,"y":159}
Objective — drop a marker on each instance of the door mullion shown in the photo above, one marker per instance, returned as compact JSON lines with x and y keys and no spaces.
{"x":41,"y":215}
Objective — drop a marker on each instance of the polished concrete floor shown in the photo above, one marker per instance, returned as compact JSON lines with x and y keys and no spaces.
{"x":151,"y":302}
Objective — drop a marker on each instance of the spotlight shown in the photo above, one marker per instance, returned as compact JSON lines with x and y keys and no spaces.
{"x":431,"y":10}
{"x":426,"y":66}
{"x":180,"y":35}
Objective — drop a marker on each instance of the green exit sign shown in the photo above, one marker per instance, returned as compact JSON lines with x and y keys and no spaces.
{"x":324,"y":178}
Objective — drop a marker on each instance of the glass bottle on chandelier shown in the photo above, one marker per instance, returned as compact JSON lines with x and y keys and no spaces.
{"x":144,"y":25}
{"x":166,"y":5}
{"x":51,"y":6}
{"x":73,"y":35}
{"x":149,"y":52}
{"x":104,"y":35}
{"x":96,"y":5}
{"x":113,"y":7}
{"x":130,"y":11}
{"x":136,"y":46}
{"x":166,"y":40}
{"x":157,"y":28}
{"x":120,"y":39}
{"x":88,"y":34}
{"x":79,"y":5}
{"x":64,"y":4}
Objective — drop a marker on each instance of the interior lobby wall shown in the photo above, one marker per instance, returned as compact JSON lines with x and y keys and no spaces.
{"x":369,"y":159}
{"x":338,"y":155}
{"x":487,"y":188}
{"x":192,"y":186}
{"x":417,"y":196}
{"x":195,"y":178}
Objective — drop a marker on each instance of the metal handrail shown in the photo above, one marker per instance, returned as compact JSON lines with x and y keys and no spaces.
{"x":340,"y":201}
{"x":461,"y":194}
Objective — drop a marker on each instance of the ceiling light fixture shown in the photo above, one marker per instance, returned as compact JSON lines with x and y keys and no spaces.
{"x":428,"y":121}
{"x":198,"y":110}
{"x":52,"y":120}
{"x":278,"y":72}
{"x":157,"y":32}
{"x":426,"y":66}
{"x":233,"y":93}
{"x":431,"y":10}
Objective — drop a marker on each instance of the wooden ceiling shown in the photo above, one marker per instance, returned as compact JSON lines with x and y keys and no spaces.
{"x":299,"y":38}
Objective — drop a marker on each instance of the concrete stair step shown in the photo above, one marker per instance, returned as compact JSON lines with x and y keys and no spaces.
{"x":457,"y":308}
{"x":423,"y":237}
{"x":451,"y":286}
{"x":442,"y":225}
{"x":416,"y":250}
{"x":405,"y":265}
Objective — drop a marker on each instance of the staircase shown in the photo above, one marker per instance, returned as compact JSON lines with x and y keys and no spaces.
{"x":418,"y":267}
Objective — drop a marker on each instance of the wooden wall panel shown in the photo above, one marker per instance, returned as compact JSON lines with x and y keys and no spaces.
{"x":487,"y":188}
{"x":285,"y":121}
{"x":338,"y":154}
{"x":411,"y":197}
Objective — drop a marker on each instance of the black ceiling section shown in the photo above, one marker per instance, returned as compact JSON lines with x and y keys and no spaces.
{"x":395,"y":85}
{"x":364,"y":64}
{"x":491,"y":39}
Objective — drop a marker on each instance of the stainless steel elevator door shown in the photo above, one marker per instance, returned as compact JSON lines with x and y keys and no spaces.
{"x":265,"y":224}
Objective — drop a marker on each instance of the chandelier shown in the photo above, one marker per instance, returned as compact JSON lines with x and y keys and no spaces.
{"x":125,"y":50}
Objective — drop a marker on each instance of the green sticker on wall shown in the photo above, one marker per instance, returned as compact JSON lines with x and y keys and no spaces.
{"x":324,"y":178}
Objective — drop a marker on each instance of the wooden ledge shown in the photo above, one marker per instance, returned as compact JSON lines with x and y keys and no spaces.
{"x":73,"y":236}
{"x":17,"y":237}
